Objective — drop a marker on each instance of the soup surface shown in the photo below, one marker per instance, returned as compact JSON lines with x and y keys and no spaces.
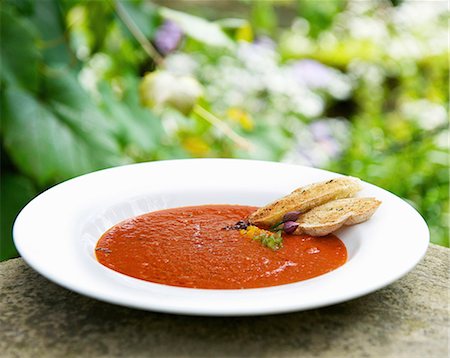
{"x":189,"y":247}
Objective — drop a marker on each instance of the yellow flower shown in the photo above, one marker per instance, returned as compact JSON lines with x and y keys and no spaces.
{"x":196,"y":146}
{"x":244,"y":33}
{"x":242,"y":117}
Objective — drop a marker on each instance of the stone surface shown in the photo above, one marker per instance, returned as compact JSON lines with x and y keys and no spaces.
{"x":410,"y":318}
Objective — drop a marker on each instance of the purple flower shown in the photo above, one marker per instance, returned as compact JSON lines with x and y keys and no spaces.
{"x":320,"y":130}
{"x":168,"y":37}
{"x":312,"y":73}
{"x":290,"y":226}
{"x":324,"y":136}
{"x":291,"y":216}
{"x":331,"y":147}
{"x":322,"y":141}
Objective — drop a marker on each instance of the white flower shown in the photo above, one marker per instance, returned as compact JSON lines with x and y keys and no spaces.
{"x":162,"y":88}
{"x":181,"y":64}
{"x":426,"y":114}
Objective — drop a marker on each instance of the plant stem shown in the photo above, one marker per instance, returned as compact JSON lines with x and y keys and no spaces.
{"x":223,"y":127}
{"x":137,"y":33}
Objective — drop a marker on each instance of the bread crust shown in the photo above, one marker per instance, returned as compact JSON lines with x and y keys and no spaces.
{"x":329,"y":217}
{"x":304,"y":199}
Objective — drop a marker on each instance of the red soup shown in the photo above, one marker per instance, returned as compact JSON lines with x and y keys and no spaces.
{"x":189,"y":247}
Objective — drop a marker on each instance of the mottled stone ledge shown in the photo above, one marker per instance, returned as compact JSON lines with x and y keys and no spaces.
{"x":410,"y":318}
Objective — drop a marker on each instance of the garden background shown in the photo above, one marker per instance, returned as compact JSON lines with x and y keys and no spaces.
{"x":357,"y":87}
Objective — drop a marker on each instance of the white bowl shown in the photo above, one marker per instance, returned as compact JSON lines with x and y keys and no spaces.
{"x":56,"y":234}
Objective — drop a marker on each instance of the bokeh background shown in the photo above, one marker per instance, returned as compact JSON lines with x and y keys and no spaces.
{"x":357,"y":87}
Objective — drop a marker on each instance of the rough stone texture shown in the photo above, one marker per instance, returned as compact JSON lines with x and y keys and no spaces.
{"x":410,"y":318}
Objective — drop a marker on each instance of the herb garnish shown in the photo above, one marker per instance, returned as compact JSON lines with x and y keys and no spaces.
{"x":272,"y":240}
{"x":276,"y":227}
{"x":240,"y":225}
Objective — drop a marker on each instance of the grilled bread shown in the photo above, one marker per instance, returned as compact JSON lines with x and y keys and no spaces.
{"x":304,"y":199}
{"x":329,"y":217}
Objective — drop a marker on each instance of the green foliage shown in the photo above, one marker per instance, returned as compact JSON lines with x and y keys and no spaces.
{"x":197,"y":28}
{"x":59,"y":138}
{"x":263,"y":17}
{"x":320,"y":18}
{"x":138,"y":130}
{"x":144,"y":15}
{"x":19,"y":55}
{"x":271,"y":240}
{"x":355,"y":87}
{"x":16,"y":192}
{"x":99,"y":15}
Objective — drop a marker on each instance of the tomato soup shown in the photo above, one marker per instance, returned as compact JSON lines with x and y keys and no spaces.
{"x":189,"y":247}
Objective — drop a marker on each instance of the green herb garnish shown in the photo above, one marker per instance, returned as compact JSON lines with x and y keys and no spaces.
{"x":277,"y":226}
{"x":273,"y":241}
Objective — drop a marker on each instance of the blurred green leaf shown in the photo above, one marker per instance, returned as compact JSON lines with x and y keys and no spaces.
{"x":19,"y":54}
{"x":23,"y":7}
{"x":81,"y":115}
{"x":16,"y":191}
{"x":199,"y":29}
{"x":320,"y":15}
{"x":49,"y":22}
{"x":264,"y":17}
{"x":98,"y":20}
{"x":53,"y":142}
{"x":143,"y":14}
{"x":137,"y":127}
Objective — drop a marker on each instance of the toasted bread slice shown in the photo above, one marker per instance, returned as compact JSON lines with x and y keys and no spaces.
{"x":304,"y":199}
{"x":329,"y":217}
